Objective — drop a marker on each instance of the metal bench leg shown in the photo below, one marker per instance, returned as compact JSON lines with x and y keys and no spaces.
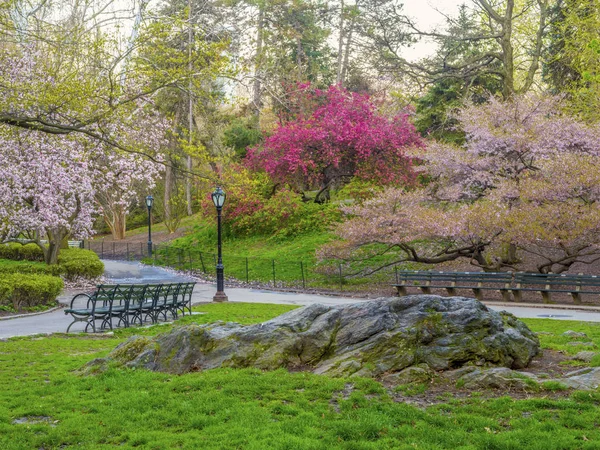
{"x":517,"y":295}
{"x":451,"y":291}
{"x":477,"y":293}
{"x":576,"y":297}
{"x":402,"y":292}
{"x":425,"y":289}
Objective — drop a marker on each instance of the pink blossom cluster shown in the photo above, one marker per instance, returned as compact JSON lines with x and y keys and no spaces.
{"x":341,"y":134}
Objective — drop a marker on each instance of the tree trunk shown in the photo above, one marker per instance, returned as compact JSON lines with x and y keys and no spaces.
{"x":55,"y":238}
{"x":257,"y":102}
{"x":508,"y":87}
{"x":347,"y":53}
{"x":338,"y":78}
{"x":168,"y":191}
{"x":188,"y":179}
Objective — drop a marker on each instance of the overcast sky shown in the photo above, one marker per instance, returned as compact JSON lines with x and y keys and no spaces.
{"x":426,"y":14}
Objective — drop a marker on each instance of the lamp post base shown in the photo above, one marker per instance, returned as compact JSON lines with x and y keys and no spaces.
{"x":220,"y":297}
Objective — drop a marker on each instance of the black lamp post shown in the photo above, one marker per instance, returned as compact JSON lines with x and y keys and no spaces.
{"x":149,"y":201}
{"x":218,"y":198}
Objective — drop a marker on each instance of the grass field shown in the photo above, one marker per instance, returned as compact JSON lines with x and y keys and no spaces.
{"x":45,"y":404}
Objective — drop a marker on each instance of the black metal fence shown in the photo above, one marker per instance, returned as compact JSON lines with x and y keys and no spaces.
{"x":297,"y":274}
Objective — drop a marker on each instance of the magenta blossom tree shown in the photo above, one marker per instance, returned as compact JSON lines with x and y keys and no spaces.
{"x":339,"y":135}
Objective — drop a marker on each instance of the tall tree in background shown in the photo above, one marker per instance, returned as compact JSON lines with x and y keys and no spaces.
{"x":509,"y":39}
{"x":572,"y":65}
{"x":435,"y":109}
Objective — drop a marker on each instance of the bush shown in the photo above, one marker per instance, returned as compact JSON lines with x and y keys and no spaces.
{"x":9,"y":266}
{"x":285,"y":215}
{"x":73,"y":263}
{"x":21,"y":291}
{"x":18,"y":252}
{"x":77,"y":263}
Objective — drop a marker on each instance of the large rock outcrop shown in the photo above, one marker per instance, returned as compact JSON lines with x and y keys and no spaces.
{"x":367,"y":339}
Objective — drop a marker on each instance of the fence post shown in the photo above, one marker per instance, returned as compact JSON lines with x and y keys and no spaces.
{"x":247,"y":275}
{"x":341,"y":277}
{"x":202,"y":262}
{"x":302,"y":270}
{"x":274,"y":282}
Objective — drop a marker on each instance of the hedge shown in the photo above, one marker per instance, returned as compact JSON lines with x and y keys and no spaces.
{"x":73,"y":263}
{"x":10,"y":266}
{"x":21,"y":291}
{"x":18,"y":252}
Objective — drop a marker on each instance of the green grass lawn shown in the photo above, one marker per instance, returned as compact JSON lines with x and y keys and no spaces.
{"x":250,"y":409}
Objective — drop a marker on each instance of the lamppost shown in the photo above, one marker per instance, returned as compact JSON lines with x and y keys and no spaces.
{"x":218,"y":198}
{"x":149,"y":201}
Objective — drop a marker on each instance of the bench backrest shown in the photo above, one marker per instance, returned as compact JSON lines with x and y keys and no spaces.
{"x":478,"y":277}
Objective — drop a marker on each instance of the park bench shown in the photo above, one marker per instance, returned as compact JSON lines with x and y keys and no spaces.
{"x":506,"y":283}
{"x":127,"y":304}
{"x":451,"y":281}
{"x":546,"y":284}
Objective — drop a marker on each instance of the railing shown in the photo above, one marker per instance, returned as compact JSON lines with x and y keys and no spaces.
{"x":273,"y":272}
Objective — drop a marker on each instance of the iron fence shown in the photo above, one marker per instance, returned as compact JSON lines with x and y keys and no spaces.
{"x":297,"y":274}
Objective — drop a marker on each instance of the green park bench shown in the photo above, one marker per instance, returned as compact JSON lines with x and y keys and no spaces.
{"x":451,"y":281}
{"x":506,"y":283}
{"x":114,"y":305}
{"x":546,"y":284}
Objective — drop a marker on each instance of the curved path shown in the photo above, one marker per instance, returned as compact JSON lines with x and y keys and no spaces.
{"x":133,"y":272}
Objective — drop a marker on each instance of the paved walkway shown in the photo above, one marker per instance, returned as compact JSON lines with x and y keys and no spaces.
{"x":132,"y":272}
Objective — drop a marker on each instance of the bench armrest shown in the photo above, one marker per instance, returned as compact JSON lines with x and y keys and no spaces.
{"x":81,"y":295}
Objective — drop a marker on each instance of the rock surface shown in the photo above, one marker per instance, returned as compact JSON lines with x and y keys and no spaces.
{"x":498,"y":378}
{"x":574,"y":334}
{"x":370,"y":338}
{"x":584,"y":356}
{"x":585,"y":379}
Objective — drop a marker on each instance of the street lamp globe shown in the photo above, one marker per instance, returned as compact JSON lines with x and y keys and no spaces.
{"x":218,"y":197}
{"x":149,"y":201}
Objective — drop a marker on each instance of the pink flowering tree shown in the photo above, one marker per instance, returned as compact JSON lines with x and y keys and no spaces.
{"x":522,"y":193}
{"x":46,"y":191}
{"x":334,"y":136}
{"x":121,"y":178}
{"x":52,"y":185}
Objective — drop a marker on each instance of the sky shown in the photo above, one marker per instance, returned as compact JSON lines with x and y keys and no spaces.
{"x":425,"y":13}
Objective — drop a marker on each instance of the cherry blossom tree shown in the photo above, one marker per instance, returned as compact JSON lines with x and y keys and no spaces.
{"x":521,"y":194}
{"x":335,"y":136}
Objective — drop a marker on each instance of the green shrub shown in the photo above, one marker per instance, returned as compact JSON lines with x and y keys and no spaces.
{"x":29,"y":290}
{"x":285,"y":215}
{"x":18,"y":252}
{"x":10,"y":266}
{"x":79,"y":263}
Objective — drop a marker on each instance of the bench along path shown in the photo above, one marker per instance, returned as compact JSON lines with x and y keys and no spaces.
{"x":132,"y":272}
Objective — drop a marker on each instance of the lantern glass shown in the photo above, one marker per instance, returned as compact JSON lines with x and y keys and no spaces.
{"x":218,"y":197}
{"x":149,"y":201}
